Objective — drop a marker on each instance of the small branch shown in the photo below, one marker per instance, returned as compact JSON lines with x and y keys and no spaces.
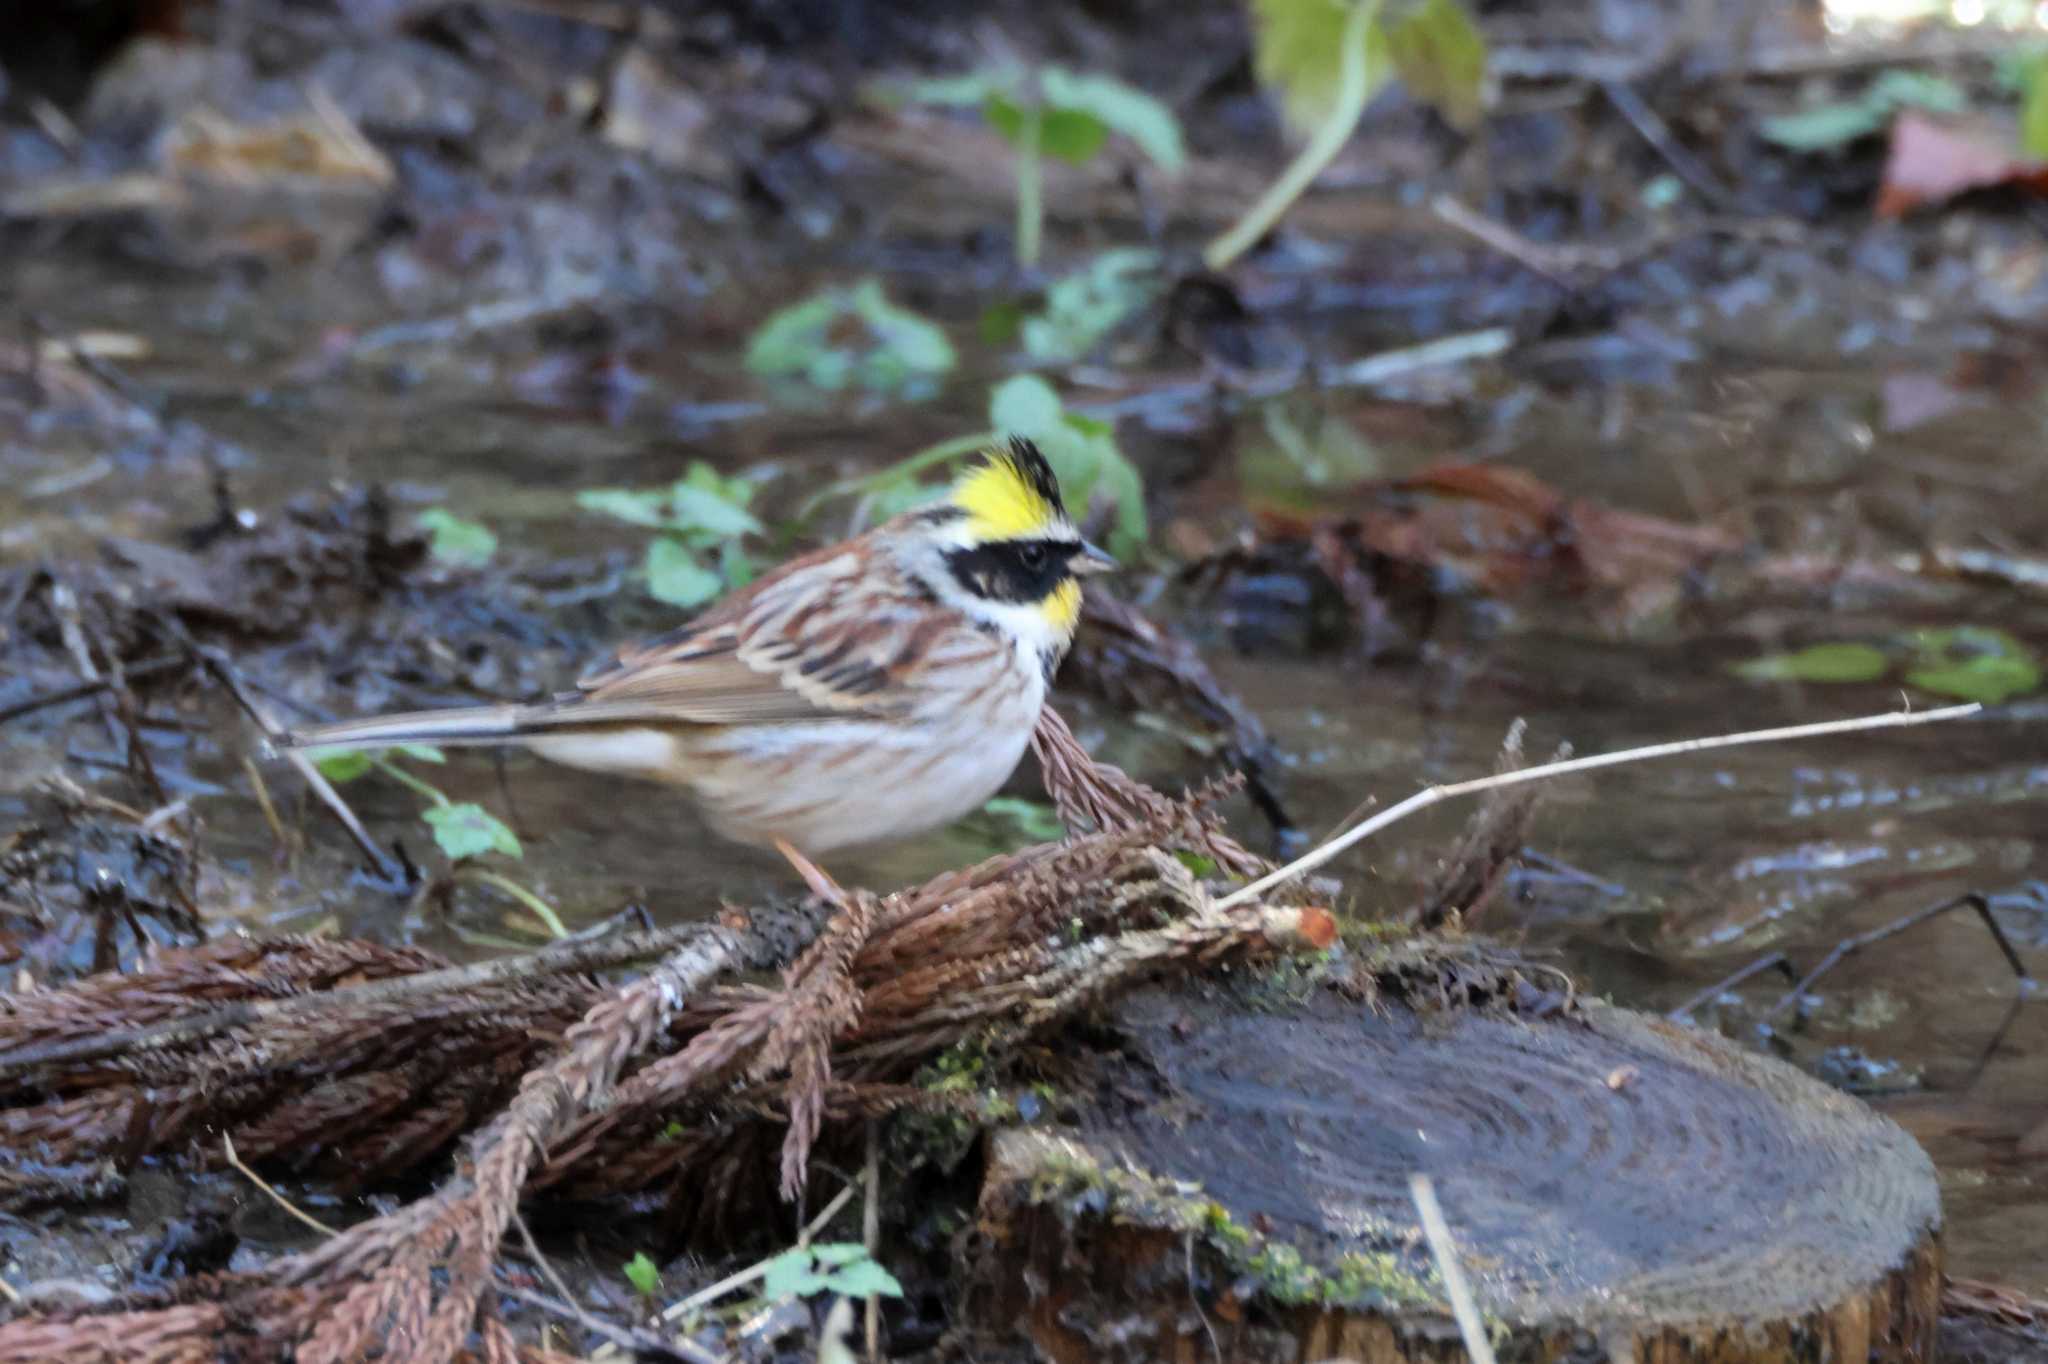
{"x":1726,"y":983}
{"x":1354,"y":89}
{"x":871,"y":1234}
{"x":227,"y":1145}
{"x":1657,"y":133}
{"x":711,"y":1293}
{"x":1445,"y":1250}
{"x":1394,"y":364}
{"x":633,"y":1344}
{"x":218,"y":664}
{"x":1422,"y":800}
{"x":93,"y":687}
{"x":1973,"y":899}
{"x":1562,"y":266}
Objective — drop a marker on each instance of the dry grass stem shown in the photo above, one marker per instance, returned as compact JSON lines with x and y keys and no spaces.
{"x":1422,"y":800}
{"x":1438,"y":1233}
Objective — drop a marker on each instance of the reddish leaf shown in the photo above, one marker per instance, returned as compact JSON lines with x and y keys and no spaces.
{"x":1933,"y":160}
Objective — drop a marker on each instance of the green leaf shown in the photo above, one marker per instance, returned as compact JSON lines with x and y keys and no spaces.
{"x":1824,"y":126}
{"x":468,"y":830}
{"x":905,"y":340}
{"x":1818,"y":663}
{"x":1298,"y":460}
{"x":1117,"y":107}
{"x":1006,"y":116}
{"x":896,"y":348}
{"x":735,"y":565}
{"x":738,"y":491}
{"x":693,"y":508}
{"x":1297,"y":52}
{"x":1000,"y":322}
{"x":792,"y":337}
{"x":1085,"y":455}
{"x":1921,"y":89}
{"x":1974,"y":663}
{"x":2034,"y":107}
{"x":790,"y":1275}
{"x":343,"y":764}
{"x":863,"y":1279}
{"x":675,"y":576}
{"x":634,"y":506}
{"x":1071,"y":134}
{"x":457,"y":541}
{"x":1025,"y":405}
{"x":1084,"y":307}
{"x":836,"y":1253}
{"x":425,"y":753}
{"x":643,"y":1274}
{"x":1033,"y":821}
{"x":1441,"y":58}
{"x":1828,"y":126}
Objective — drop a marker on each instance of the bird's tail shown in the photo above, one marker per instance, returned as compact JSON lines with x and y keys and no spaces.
{"x":467,"y":725}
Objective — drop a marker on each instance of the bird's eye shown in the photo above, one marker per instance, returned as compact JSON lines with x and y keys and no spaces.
{"x":1032,"y":556}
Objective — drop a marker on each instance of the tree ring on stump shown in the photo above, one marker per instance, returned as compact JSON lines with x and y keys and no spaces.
{"x":1618,"y":1186}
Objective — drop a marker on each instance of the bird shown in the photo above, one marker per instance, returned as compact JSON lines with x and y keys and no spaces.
{"x":861,"y":693}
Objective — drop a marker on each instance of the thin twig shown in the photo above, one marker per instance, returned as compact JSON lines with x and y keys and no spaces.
{"x":1445,"y":1250}
{"x":635,"y":1344}
{"x":741,"y":1278}
{"x":263,"y":802}
{"x":1422,"y":800}
{"x":80,"y":690}
{"x":1726,"y":983}
{"x":871,"y":1235}
{"x":547,"y":1266}
{"x":1974,"y":899}
{"x":231,"y":678}
{"x":1455,"y":349}
{"x":227,"y":1144}
{"x":1657,"y":133}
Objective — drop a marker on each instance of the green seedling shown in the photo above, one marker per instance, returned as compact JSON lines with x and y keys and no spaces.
{"x":462,"y":830}
{"x":702,"y":519}
{"x":852,"y":338}
{"x":643,"y":1274}
{"x":466,"y":544}
{"x":1327,"y":59}
{"x":1052,"y":112}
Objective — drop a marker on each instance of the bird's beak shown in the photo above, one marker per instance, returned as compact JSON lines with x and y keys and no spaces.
{"x":1089,"y":561}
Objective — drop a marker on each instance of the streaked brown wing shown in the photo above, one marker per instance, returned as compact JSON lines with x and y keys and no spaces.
{"x":829,"y":634}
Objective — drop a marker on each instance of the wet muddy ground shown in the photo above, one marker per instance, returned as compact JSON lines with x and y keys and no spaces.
{"x":1850,"y":406}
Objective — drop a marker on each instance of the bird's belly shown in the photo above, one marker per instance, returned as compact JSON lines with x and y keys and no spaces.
{"x":845,"y":782}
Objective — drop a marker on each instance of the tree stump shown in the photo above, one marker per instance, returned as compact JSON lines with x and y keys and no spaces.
{"x":1236,"y":1187}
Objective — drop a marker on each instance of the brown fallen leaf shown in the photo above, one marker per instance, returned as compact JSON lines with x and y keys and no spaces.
{"x":1932,"y":160}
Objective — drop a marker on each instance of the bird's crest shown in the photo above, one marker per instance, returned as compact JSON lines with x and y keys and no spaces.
{"x":1011,"y":494}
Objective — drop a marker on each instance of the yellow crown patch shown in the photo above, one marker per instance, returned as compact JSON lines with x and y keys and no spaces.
{"x":1010,"y":495}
